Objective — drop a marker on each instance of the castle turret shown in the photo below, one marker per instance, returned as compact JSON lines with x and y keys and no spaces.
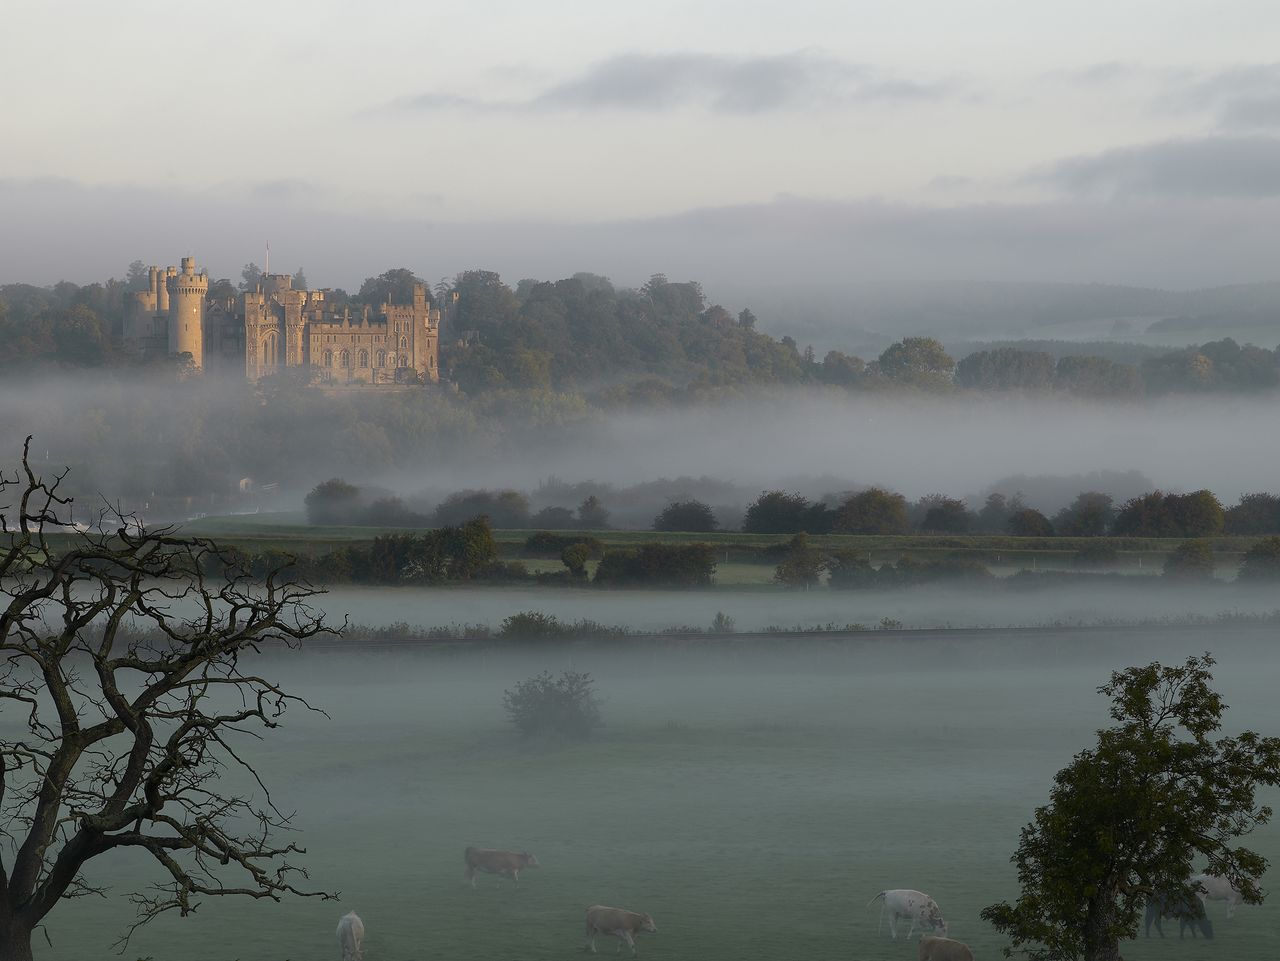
{"x":186,"y":295}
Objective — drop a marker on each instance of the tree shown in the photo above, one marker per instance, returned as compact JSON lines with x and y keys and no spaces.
{"x":917,"y":361}
{"x":250,"y":277}
{"x":872,"y":511}
{"x":1089,"y":515}
{"x":776,"y":512}
{"x":1190,"y":561}
{"x":566,"y":706}
{"x":128,"y":710}
{"x":1006,"y":368}
{"x":300,"y":280}
{"x":592,"y":515}
{"x":1262,"y":561}
{"x":1257,"y":513}
{"x":395,"y":285}
{"x":1029,"y":522}
{"x":690,"y":515}
{"x":801,"y":565}
{"x":333,"y":502}
{"x":1131,"y":816}
{"x":946,"y":515}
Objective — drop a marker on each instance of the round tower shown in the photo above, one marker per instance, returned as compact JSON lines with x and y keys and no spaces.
{"x":187,"y":293}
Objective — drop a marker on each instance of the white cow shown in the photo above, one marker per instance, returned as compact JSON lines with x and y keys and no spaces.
{"x":916,"y":905}
{"x":351,"y":937}
{"x":1213,"y":888}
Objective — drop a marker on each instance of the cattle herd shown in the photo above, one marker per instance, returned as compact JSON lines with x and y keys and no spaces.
{"x":900,"y":904}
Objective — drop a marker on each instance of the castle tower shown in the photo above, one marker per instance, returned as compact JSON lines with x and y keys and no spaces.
{"x":187,"y":291}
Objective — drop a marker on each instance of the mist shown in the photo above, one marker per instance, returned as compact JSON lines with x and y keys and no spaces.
{"x":191,"y":442}
{"x":751,"y":799}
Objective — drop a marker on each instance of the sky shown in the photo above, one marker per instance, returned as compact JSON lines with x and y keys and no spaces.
{"x":1117,"y":142}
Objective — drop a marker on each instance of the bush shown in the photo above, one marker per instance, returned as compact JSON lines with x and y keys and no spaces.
{"x":566,"y":706}
{"x":801,"y":566}
{"x":1262,"y":561}
{"x":1095,"y":555}
{"x":1191,"y":561}
{"x":688,"y":515}
{"x":658,"y":565}
{"x":546,"y":544}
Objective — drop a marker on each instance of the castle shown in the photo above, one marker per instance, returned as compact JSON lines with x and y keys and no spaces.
{"x":276,"y":327}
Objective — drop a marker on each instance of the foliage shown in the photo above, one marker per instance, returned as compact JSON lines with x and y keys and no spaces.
{"x":781,"y":512}
{"x":592,"y":514}
{"x":1262,"y":561}
{"x":546,"y":544}
{"x":505,"y":508}
{"x":1006,"y":368}
{"x":1190,"y":561}
{"x":1257,"y":513}
{"x":690,"y":515}
{"x":566,"y":706}
{"x":1089,"y":515}
{"x":872,"y":511}
{"x":944,"y":515}
{"x":1029,"y":522}
{"x":1132,"y":815}
{"x":1156,"y":514}
{"x":801,"y":565}
{"x":722,"y":623}
{"x":658,"y":565}
{"x":917,"y":362}
{"x":124,"y":710}
{"x":333,"y":502}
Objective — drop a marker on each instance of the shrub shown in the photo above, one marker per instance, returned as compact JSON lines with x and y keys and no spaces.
{"x":688,"y":515}
{"x":1262,"y":561}
{"x":1190,"y":561}
{"x":1095,"y":555}
{"x":658,"y":565}
{"x":801,"y":566}
{"x":547,"y":544}
{"x":723,"y":624}
{"x":566,"y":706}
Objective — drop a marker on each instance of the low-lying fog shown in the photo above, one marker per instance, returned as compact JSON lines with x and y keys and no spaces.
{"x":752,"y":800}
{"x":1137,"y":599}
{"x":134,"y":440}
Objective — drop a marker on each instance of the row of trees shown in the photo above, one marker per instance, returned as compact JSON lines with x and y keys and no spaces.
{"x":654,"y":342}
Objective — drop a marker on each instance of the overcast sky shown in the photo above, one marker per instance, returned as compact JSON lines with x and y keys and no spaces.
{"x":1092,"y":140}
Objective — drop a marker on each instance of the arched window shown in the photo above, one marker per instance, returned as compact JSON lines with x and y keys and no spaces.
{"x":328,"y":358}
{"x":346,"y":359}
{"x":364,"y":358}
{"x":404,"y":361}
{"x":382,"y":358}
{"x":404,"y":343}
{"x":270,"y":355}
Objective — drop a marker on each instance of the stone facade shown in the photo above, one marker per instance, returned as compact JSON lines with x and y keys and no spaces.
{"x":276,"y":327}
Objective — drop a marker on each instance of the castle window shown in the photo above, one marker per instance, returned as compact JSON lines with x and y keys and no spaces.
{"x":346,"y":358}
{"x":328,"y":358}
{"x":382,"y":358}
{"x":404,"y":343}
{"x":404,"y":361}
{"x":364,"y":358}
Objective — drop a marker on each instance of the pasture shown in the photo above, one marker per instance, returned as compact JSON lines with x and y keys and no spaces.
{"x":751,"y":798}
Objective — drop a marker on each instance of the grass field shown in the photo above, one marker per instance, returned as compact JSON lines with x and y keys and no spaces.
{"x":751,"y":802}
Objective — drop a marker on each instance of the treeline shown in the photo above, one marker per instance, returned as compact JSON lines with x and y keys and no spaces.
{"x":662,"y":343}
{"x":804,"y":566}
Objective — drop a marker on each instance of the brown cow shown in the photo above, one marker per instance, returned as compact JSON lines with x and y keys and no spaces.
{"x":943,"y":949}
{"x":492,"y":861}
{"x":623,"y":925}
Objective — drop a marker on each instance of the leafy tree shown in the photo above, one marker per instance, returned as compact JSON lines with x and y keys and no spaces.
{"x":842,"y":369}
{"x":575,"y":557}
{"x":395,"y":285}
{"x":1262,"y":561}
{"x":658,"y":565}
{"x":506,"y":510}
{"x":592,"y":514}
{"x":1190,"y":561}
{"x":300,"y":280}
{"x":250,"y":277}
{"x":124,"y":711}
{"x":565,"y":706}
{"x":1029,"y":522}
{"x":1198,"y":514}
{"x":801,"y":565}
{"x":872,"y":511}
{"x":1097,"y":377}
{"x":850,"y":570}
{"x":946,"y":515}
{"x":333,"y":502}
{"x":995,"y":513}
{"x":553,"y":519}
{"x":1089,"y":515}
{"x":1255,"y":514}
{"x":138,"y":277}
{"x":1006,"y":368}
{"x":690,"y":515}
{"x":746,"y":319}
{"x":1132,"y":815}
{"x":776,"y":512}
{"x":917,"y":361}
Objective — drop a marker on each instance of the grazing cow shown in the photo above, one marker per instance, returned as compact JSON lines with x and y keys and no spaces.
{"x":351,"y":937}
{"x":1188,"y":910}
{"x":1213,"y":888}
{"x":942,"y":949}
{"x":905,"y":903}
{"x":623,"y":925}
{"x":492,"y":861}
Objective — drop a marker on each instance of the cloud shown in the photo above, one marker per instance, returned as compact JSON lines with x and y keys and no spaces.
{"x":803,"y":79}
{"x":1205,"y":167}
{"x":1244,"y":97}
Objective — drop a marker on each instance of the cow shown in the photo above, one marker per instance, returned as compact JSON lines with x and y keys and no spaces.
{"x":905,"y":903}
{"x":942,"y":949}
{"x":623,"y":925}
{"x":492,"y":861}
{"x":1214,"y":888}
{"x":1188,"y":910}
{"x":351,"y":937}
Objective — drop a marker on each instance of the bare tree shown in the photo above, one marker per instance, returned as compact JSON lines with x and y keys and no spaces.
{"x":124,"y":692}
